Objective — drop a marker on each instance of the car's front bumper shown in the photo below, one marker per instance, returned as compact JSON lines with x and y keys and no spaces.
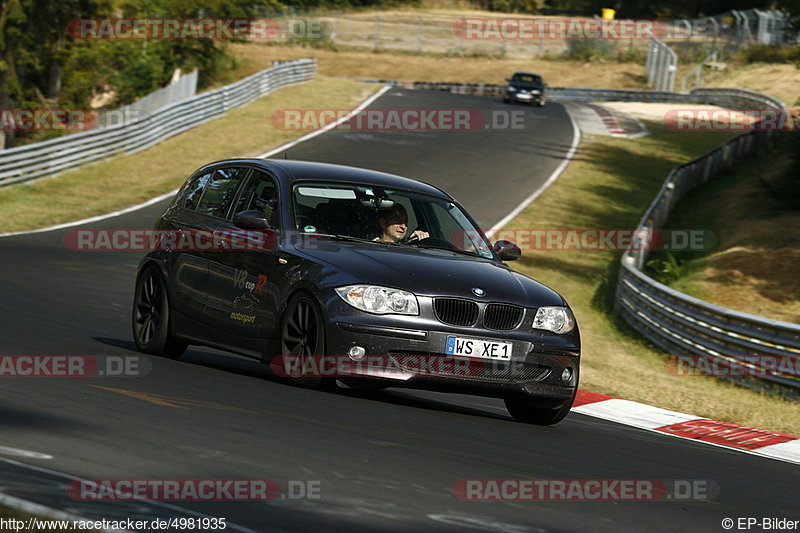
{"x":523,"y":97}
{"x":403,"y":355}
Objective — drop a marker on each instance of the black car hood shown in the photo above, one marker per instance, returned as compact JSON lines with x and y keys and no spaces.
{"x":428,"y":272}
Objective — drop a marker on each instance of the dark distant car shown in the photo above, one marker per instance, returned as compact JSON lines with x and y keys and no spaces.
{"x":525,"y":87}
{"x":324,"y":286}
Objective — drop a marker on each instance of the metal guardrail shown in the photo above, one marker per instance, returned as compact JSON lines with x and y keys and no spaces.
{"x":737,"y":98}
{"x":48,"y":157}
{"x":683,"y":325}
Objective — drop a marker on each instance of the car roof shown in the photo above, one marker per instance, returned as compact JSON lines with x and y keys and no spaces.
{"x":526,"y":74}
{"x":309,"y":170}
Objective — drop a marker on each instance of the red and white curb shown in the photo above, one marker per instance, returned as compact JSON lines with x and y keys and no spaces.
{"x":747,"y":439}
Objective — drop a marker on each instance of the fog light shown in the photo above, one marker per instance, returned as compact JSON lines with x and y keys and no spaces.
{"x":566,"y":375}
{"x":357,"y":353}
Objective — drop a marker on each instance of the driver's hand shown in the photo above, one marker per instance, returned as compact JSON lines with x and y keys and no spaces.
{"x":419,"y":234}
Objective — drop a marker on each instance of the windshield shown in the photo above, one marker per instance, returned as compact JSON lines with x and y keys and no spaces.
{"x":527,"y":78}
{"x":385,"y":217}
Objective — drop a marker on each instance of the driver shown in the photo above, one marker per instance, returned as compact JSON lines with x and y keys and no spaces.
{"x":394,"y":225}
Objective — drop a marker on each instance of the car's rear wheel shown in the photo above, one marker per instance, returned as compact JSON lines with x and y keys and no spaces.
{"x":531,"y":410}
{"x":151,"y":316}
{"x":303,"y":337}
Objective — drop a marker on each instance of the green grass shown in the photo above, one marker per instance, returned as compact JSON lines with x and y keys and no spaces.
{"x":608,"y":186}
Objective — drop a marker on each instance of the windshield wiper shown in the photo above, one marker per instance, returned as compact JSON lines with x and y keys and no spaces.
{"x":454,"y":250}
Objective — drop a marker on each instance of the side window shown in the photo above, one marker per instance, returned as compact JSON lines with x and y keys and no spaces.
{"x":220,"y":190}
{"x":260,"y":194}
{"x":194,"y":191}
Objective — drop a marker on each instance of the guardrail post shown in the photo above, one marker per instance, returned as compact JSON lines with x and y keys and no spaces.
{"x":715,"y":24}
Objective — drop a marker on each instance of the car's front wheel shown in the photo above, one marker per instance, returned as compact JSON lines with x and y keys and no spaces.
{"x":151,"y":316}
{"x":302,"y":338}
{"x":532,"y":410}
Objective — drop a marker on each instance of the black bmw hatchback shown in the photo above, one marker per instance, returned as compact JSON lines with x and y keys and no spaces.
{"x":525,"y":87}
{"x":300,"y":264}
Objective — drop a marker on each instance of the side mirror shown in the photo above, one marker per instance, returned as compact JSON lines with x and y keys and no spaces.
{"x":507,"y":250}
{"x":252,"y":219}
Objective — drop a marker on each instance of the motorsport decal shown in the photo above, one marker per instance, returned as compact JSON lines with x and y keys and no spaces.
{"x":252,"y":289}
{"x":246,"y":319}
{"x":257,"y":287}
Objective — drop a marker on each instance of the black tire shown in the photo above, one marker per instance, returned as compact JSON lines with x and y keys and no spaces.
{"x":303,"y":334}
{"x":150,"y":317}
{"x":531,"y":410}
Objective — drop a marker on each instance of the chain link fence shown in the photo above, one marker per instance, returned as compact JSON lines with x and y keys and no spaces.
{"x":436,"y":32}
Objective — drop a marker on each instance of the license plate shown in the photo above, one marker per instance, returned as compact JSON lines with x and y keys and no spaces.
{"x":481,"y":348}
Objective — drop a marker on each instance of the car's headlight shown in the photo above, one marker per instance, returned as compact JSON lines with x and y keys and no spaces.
{"x":379,"y":300}
{"x":556,"y":319}
{"x":511,"y":88}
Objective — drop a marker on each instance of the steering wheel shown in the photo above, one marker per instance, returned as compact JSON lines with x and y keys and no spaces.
{"x":410,"y":237}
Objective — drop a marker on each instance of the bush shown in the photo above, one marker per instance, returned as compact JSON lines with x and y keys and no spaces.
{"x":666,"y":270}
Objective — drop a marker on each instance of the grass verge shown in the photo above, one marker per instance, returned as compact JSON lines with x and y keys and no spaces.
{"x":609,"y":184}
{"x":129,"y":179}
{"x":753,"y":211}
{"x":387,"y":65}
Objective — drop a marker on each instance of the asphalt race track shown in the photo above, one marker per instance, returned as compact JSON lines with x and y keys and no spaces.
{"x":384,"y":461}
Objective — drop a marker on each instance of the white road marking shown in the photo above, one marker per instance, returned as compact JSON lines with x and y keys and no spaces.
{"x":9,"y":499}
{"x":19,"y":452}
